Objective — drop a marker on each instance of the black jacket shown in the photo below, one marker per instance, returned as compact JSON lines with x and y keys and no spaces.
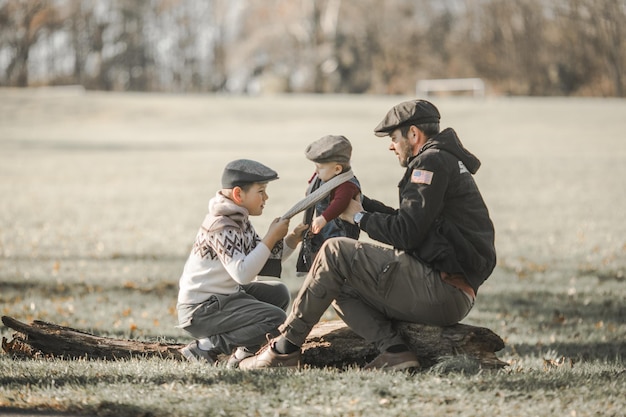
{"x":442,"y":219}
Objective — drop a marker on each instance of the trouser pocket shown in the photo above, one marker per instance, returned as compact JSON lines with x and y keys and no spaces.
{"x":386,"y":278}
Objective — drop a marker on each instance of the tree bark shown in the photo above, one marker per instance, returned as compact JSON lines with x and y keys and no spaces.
{"x":48,"y":340}
{"x":330,"y":344}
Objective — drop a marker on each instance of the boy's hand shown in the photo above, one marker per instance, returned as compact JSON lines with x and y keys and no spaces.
{"x":278,"y":229}
{"x":296,"y":235}
{"x":318,"y":223}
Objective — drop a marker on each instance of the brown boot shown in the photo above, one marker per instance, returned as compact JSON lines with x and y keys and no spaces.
{"x":269,"y":358}
{"x":388,"y":361}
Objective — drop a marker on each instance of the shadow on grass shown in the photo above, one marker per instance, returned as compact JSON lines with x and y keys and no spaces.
{"x":610,"y":352}
{"x":548,"y":309}
{"x":539,"y":383}
{"x":27,"y":412}
{"x":262,"y":381}
{"x":586,"y":326}
{"x":56,"y":289}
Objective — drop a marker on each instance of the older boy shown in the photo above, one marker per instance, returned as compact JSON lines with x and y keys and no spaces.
{"x":220,"y":302}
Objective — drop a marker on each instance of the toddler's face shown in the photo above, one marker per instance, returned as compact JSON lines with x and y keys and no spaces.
{"x":327,"y":170}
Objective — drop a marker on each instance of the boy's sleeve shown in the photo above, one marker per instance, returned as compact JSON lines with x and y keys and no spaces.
{"x":241,"y":267}
{"x":273,"y":266}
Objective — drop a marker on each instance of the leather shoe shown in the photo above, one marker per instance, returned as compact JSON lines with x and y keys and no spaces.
{"x":388,"y":361}
{"x":269,"y":358}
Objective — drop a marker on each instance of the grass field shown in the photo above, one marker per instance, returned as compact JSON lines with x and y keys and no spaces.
{"x":101,"y":196}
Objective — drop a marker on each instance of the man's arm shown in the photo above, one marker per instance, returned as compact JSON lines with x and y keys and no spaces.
{"x":375,"y":206}
{"x":369,"y":205}
{"x":421,"y":202}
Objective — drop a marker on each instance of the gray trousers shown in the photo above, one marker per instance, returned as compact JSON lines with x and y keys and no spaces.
{"x":236,"y":320}
{"x":370,"y":287}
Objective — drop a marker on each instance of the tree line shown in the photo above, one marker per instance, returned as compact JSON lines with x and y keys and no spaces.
{"x":522,"y":47}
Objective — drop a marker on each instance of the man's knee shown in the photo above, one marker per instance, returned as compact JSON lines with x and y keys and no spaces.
{"x":338,"y":246}
{"x":334,"y":255}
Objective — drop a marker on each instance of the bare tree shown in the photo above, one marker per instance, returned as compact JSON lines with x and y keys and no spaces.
{"x":23,"y":22}
{"x":604,"y":22}
{"x":509,"y":48}
{"x":528,"y":47}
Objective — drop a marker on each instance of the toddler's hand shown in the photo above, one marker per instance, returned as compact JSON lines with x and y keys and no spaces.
{"x":317,"y":224}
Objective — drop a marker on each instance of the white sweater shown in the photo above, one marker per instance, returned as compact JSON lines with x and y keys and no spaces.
{"x":227,"y":253}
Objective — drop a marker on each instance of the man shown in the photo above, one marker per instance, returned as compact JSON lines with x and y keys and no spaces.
{"x":443,"y":249}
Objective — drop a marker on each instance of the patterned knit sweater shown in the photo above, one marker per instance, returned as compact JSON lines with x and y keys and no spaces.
{"x":227,"y":253}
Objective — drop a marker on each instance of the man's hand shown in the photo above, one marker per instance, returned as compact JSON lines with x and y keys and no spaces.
{"x":353,"y":208}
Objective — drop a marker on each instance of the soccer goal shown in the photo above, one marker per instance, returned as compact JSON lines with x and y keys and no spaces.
{"x":427,"y":87}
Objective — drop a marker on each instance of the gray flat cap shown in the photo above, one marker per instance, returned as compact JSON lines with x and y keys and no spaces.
{"x":246,"y":171}
{"x":413,"y":111}
{"x":330,"y":149}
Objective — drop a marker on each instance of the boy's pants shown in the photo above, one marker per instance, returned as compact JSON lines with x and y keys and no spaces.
{"x":371,"y":287}
{"x":241,"y":319}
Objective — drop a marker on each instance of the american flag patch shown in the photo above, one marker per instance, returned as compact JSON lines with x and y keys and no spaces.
{"x":420,"y":176}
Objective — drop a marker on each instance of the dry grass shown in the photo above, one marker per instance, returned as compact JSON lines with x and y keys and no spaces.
{"x":102,"y":195}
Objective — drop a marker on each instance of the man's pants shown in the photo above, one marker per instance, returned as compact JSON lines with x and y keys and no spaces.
{"x":240,"y":319}
{"x":372,"y":287}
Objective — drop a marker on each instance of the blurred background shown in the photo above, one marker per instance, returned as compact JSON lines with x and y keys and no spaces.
{"x":523,"y":47}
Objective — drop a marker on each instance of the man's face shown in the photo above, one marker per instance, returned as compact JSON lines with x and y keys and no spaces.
{"x":401,"y":147}
{"x":254,"y":199}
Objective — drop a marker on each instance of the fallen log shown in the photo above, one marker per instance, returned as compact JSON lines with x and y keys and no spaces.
{"x":330,"y":344}
{"x":47,"y":340}
{"x":333,"y":344}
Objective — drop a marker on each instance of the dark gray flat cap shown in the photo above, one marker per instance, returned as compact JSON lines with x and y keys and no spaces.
{"x":246,"y":171}
{"x":329,"y":149}
{"x":413,"y":111}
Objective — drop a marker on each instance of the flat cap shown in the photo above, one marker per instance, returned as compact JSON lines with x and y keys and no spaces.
{"x":329,"y":149}
{"x":413,"y":111}
{"x":246,"y":171}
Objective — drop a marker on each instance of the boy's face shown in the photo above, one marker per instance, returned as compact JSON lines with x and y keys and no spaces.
{"x":327,"y":170}
{"x":254,"y":199}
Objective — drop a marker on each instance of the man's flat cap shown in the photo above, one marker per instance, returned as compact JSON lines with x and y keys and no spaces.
{"x":245,"y":171}
{"x":329,"y":149}
{"x":413,"y":111}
